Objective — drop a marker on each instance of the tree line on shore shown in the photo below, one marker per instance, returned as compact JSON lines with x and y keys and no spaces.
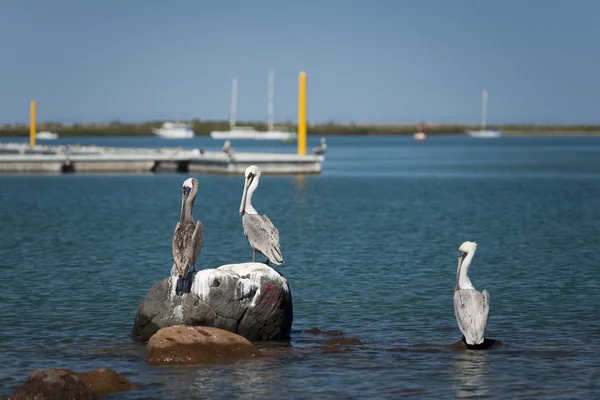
{"x":203,"y":127}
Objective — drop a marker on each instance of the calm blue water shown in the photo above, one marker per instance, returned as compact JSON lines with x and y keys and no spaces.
{"x":370,"y":248}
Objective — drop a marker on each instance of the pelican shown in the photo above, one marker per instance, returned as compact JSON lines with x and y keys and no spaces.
{"x":259,"y":230}
{"x":321,"y":149}
{"x":227,"y":149}
{"x":187,"y":237}
{"x":471,"y":307}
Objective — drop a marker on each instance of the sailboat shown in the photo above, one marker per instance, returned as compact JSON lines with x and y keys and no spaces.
{"x":484,"y":133}
{"x":248,"y":132}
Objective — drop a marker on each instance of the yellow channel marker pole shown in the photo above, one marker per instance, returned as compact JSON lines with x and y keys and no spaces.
{"x":32,"y":124}
{"x":302,"y":114}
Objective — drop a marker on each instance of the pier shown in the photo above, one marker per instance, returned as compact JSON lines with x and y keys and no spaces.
{"x":23,"y":158}
{"x":34,"y":158}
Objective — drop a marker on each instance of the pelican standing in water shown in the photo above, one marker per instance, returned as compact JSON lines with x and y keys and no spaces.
{"x":259,"y":230}
{"x":471,"y":307}
{"x":187,"y":238}
{"x":321,"y":149}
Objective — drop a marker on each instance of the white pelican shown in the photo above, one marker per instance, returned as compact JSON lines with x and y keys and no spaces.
{"x":187,"y":237}
{"x":471,"y":307}
{"x":321,"y":149}
{"x":259,"y":230}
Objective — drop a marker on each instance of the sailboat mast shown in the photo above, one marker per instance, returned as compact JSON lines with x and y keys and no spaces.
{"x":483,"y":109}
{"x":270,"y":95}
{"x":233,"y":107}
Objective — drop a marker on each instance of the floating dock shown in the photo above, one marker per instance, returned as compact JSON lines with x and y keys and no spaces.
{"x":24,"y":158}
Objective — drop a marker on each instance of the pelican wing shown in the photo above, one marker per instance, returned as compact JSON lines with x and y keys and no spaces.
{"x":472,"y":311}
{"x":263,"y":236}
{"x":184,"y":246}
{"x":197,"y":237}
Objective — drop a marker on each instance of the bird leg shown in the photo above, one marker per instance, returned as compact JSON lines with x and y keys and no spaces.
{"x":253,"y":255}
{"x":179,"y":286}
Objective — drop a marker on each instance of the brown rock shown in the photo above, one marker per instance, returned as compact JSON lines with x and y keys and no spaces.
{"x":53,"y":384}
{"x":104,"y":380}
{"x":61,"y":384}
{"x":181,"y":344}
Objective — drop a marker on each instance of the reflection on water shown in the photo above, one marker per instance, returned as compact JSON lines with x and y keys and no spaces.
{"x":471,"y":372}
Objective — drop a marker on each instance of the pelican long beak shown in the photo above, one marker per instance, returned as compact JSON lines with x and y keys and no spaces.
{"x":246,"y":186}
{"x":184,"y":197}
{"x":461,"y":256}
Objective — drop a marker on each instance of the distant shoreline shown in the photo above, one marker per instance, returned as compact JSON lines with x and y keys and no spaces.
{"x":203,"y":128}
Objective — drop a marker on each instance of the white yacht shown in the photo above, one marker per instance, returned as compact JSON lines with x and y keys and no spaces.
{"x":484,"y":133}
{"x":248,"y":132}
{"x":174,"y":130}
{"x":46,"y":135}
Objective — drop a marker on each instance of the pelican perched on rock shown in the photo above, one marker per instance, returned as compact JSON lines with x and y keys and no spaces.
{"x":321,"y":149}
{"x":471,"y":307}
{"x":259,"y":230}
{"x":227,"y":149}
{"x":187,"y":238}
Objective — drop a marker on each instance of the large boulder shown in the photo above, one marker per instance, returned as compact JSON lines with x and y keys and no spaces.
{"x":250,"y":299}
{"x":59,"y":384}
{"x":197,"y":344}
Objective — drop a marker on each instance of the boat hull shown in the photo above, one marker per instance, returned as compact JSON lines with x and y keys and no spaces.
{"x":253,"y":135}
{"x":485,"y":134}
{"x":173,"y":133}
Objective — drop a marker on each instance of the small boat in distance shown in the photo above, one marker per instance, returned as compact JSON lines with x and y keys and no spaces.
{"x":174,"y":130}
{"x":46,"y":135}
{"x":484,"y":133}
{"x":419,"y":136}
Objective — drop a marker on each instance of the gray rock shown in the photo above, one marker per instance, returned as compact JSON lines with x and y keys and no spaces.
{"x":250,"y":299}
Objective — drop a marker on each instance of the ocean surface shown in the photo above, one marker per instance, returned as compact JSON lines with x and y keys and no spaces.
{"x":370,"y":248}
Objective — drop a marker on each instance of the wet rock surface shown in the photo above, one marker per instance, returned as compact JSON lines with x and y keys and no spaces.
{"x":250,"y":299}
{"x":59,"y":384}
{"x":197,"y":344}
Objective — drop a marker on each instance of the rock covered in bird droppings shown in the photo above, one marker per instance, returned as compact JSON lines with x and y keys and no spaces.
{"x":250,"y":299}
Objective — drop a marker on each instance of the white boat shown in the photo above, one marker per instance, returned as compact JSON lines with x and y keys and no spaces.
{"x":174,"y":130}
{"x":484,"y":133}
{"x":45,"y":135}
{"x":419,"y":136}
{"x":248,"y":132}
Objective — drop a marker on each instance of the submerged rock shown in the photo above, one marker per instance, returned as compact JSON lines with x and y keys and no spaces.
{"x":317,"y":331}
{"x":59,"y":384}
{"x":487,"y":344}
{"x":196,"y":344}
{"x":250,"y":299}
{"x":345,"y":341}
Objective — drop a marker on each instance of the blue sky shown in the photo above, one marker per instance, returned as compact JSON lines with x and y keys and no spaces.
{"x":380,"y":61}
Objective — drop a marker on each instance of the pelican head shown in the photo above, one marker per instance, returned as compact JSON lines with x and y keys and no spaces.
{"x":466,"y":248}
{"x":188,"y":185}
{"x":252,"y":176}
{"x":189,"y":190}
{"x":322,"y":140}
{"x":463,"y":251}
